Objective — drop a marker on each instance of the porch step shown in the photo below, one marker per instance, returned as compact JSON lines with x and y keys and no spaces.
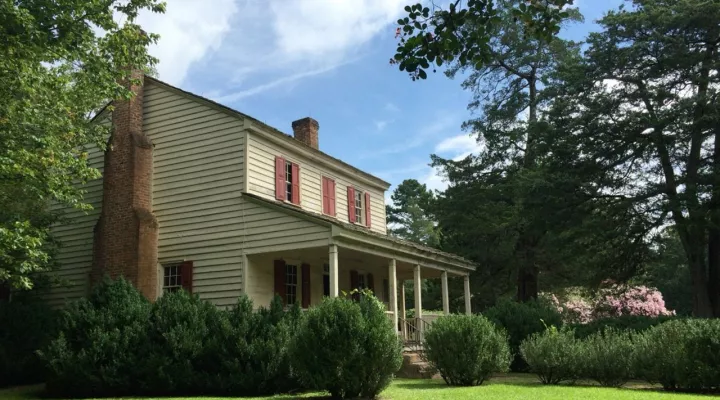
{"x":414,"y":367}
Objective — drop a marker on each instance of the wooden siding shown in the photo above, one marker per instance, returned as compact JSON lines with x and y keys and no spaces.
{"x":197,"y":185}
{"x":261,"y":181}
{"x":76,"y":239}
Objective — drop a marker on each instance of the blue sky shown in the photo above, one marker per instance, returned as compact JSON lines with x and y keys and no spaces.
{"x":281,"y":60}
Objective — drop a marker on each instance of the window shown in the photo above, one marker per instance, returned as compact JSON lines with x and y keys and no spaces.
{"x":288,"y":181}
{"x":172,"y":278}
{"x":386,"y":291}
{"x":361,"y":281}
{"x":291,"y":284}
{"x":326,"y":280}
{"x":359,"y":207}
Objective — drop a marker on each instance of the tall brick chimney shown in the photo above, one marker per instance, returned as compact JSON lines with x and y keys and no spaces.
{"x":126,"y":234}
{"x":306,"y":131}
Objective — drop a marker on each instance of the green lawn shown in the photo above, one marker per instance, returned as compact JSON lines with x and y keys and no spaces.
{"x":514,"y":386}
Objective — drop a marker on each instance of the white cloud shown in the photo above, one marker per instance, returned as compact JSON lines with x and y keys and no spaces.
{"x":391,"y":107}
{"x":458,"y":147}
{"x":438,"y":126}
{"x":274,"y":43}
{"x":188,"y":30}
{"x":381,"y":124}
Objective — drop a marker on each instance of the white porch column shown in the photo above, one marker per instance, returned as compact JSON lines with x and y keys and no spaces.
{"x":392,"y":279}
{"x":334,"y":290}
{"x":445,"y":293}
{"x":403,"y":327}
{"x":468,"y":311}
{"x":418,"y":297}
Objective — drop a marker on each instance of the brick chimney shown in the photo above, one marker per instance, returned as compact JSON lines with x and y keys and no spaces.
{"x":306,"y":131}
{"x":126,"y":234}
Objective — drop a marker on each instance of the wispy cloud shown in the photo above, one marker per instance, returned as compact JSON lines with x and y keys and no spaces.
{"x":455,"y":148}
{"x":437,"y":127}
{"x":189,"y":30}
{"x":271,"y":41}
{"x":391,"y":107}
{"x":231,"y":97}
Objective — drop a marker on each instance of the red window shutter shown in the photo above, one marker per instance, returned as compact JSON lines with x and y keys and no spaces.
{"x":351,"y":203}
{"x":331,"y":196}
{"x":280,"y":279}
{"x":279,"y":178}
{"x":367,"y":210}
{"x":370,"y":282}
{"x":186,"y":276}
{"x":295,"y":183}
{"x":305,"y":270}
{"x":326,"y":195}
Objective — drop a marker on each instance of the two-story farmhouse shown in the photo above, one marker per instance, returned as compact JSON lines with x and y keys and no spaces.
{"x":195,"y":195}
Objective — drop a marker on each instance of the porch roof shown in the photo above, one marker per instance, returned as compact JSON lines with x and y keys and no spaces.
{"x":348,"y":233}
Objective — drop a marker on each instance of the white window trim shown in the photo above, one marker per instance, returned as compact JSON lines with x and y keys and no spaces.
{"x":361,"y":220}
{"x":166,"y":287}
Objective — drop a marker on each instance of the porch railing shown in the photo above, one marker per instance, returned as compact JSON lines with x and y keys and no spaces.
{"x":412,"y":332}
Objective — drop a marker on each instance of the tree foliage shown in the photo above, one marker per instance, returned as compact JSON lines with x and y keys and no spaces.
{"x":642,"y":108}
{"x":409,"y":216}
{"x":60,"y":61}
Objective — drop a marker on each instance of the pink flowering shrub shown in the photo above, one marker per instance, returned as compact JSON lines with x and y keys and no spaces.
{"x":638,"y":300}
{"x":612,"y":301}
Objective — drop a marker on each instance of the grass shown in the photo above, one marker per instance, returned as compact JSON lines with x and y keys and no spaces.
{"x":513,"y":386}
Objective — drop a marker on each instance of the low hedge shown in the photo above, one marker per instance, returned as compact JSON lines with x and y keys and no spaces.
{"x":26,"y":325}
{"x":608,"y":357}
{"x":348,"y":348}
{"x":681,"y":355}
{"x":466,"y":349}
{"x":116,"y":343}
{"x":553,"y":355}
{"x":632,"y":323}
{"x":520,"y":320}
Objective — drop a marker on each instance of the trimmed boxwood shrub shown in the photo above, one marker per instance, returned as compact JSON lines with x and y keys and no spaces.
{"x":520,"y":320}
{"x":115,"y":343}
{"x":26,"y":325}
{"x":346,"y":347}
{"x":99,"y":351}
{"x":608,"y":357}
{"x":633,"y":323}
{"x":681,"y":355}
{"x":466,"y":349}
{"x":552,"y":355}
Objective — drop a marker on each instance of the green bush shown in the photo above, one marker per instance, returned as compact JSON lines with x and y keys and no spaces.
{"x":466,"y":349}
{"x":520,"y":320}
{"x":633,"y":323}
{"x":681,"y":355}
{"x":348,"y":348}
{"x":552,"y":355}
{"x":98,"y":351}
{"x":25,"y":327}
{"x":257,"y":357}
{"x":115,"y":343}
{"x":608,"y":357}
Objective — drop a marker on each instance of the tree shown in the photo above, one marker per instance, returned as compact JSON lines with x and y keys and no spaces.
{"x":56,"y":71}
{"x":643,"y":109}
{"x":462,"y":32}
{"x":409,"y":215}
{"x":507,"y":90}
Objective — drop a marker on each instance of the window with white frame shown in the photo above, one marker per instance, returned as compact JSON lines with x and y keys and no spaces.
{"x":386,"y":291}
{"x":291,"y":284}
{"x":359,"y":206}
{"x":326,"y":280}
{"x":288,"y":181}
{"x":361,"y":281}
{"x":172,"y":278}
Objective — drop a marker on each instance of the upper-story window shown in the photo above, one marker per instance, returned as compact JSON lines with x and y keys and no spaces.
{"x":287,"y":181}
{"x":358,"y":206}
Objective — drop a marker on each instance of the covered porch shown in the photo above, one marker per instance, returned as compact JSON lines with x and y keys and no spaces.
{"x":350,"y":261}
